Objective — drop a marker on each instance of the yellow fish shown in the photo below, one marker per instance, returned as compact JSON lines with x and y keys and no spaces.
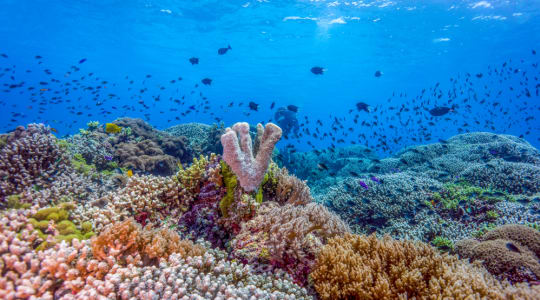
{"x":112,"y":128}
{"x":129,"y":173}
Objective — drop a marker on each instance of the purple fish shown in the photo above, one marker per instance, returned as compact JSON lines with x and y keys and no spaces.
{"x":363,"y":184}
{"x":493,"y":152}
{"x":377,"y":180}
{"x":107,"y":157}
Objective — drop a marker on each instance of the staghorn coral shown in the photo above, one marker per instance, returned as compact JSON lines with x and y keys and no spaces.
{"x":248,"y":167}
{"x":31,"y":158}
{"x":510,"y":252}
{"x":287,"y":237}
{"x":364,"y":267}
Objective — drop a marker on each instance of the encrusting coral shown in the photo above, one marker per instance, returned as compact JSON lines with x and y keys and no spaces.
{"x":237,"y":152}
{"x":365,"y":267}
{"x":510,"y":252}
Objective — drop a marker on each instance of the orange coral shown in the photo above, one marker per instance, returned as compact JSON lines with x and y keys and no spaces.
{"x":129,"y":239}
{"x":364,"y":267}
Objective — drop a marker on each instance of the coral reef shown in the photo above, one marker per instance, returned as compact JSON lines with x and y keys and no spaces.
{"x":76,"y":272}
{"x":249,"y":166}
{"x":80,"y":220}
{"x":454,"y":188}
{"x":137,"y":145}
{"x":510,"y":252}
{"x":364,"y":267}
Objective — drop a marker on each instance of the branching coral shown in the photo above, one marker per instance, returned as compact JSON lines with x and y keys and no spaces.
{"x":30,"y":158}
{"x":364,"y":267}
{"x":129,"y":239}
{"x":288,"y":237}
{"x":238,"y":153}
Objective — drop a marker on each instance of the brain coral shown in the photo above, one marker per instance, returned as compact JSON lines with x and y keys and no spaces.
{"x":511,"y":252}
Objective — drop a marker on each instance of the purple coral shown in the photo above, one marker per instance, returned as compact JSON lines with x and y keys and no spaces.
{"x":239,"y":154}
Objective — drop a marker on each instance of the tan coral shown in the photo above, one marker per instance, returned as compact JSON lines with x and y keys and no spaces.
{"x":365,"y":267}
{"x":290,"y":189}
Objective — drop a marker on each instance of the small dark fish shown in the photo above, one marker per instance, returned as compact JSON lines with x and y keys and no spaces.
{"x":4,"y":55}
{"x":440,"y":111}
{"x":272,"y":105}
{"x":82,"y":60}
{"x":292,"y":108}
{"x":512,"y":247}
{"x":206,"y":81}
{"x":253,"y":106}
{"x":378,"y":73}
{"x":322,"y":166}
{"x":479,"y":75}
{"x":353,"y":173}
{"x":363,"y":184}
{"x":361,"y":106}
{"x":38,"y":57}
{"x":317,"y":70}
{"x":533,"y":52}
{"x":194,"y":60}
{"x":493,"y":152}
{"x":222,"y":51}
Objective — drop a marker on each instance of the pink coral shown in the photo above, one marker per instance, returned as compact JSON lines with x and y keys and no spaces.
{"x":239,"y":154}
{"x":288,"y":236}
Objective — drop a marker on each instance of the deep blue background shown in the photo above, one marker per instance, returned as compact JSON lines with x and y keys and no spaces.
{"x":274,"y":44}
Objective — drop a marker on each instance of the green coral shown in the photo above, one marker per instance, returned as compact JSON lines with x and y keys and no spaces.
{"x":191,"y":177}
{"x":58,"y":217}
{"x":454,"y":195}
{"x":492,"y":215}
{"x":442,"y":243}
{"x":80,"y":165}
{"x":14,"y":201}
{"x":230,"y":182}
{"x":92,"y":125}
{"x":63,"y":144}
{"x":485,"y":228}
{"x":3,"y":140}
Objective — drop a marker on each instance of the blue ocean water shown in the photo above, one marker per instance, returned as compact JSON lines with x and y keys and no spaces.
{"x":477,"y":55}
